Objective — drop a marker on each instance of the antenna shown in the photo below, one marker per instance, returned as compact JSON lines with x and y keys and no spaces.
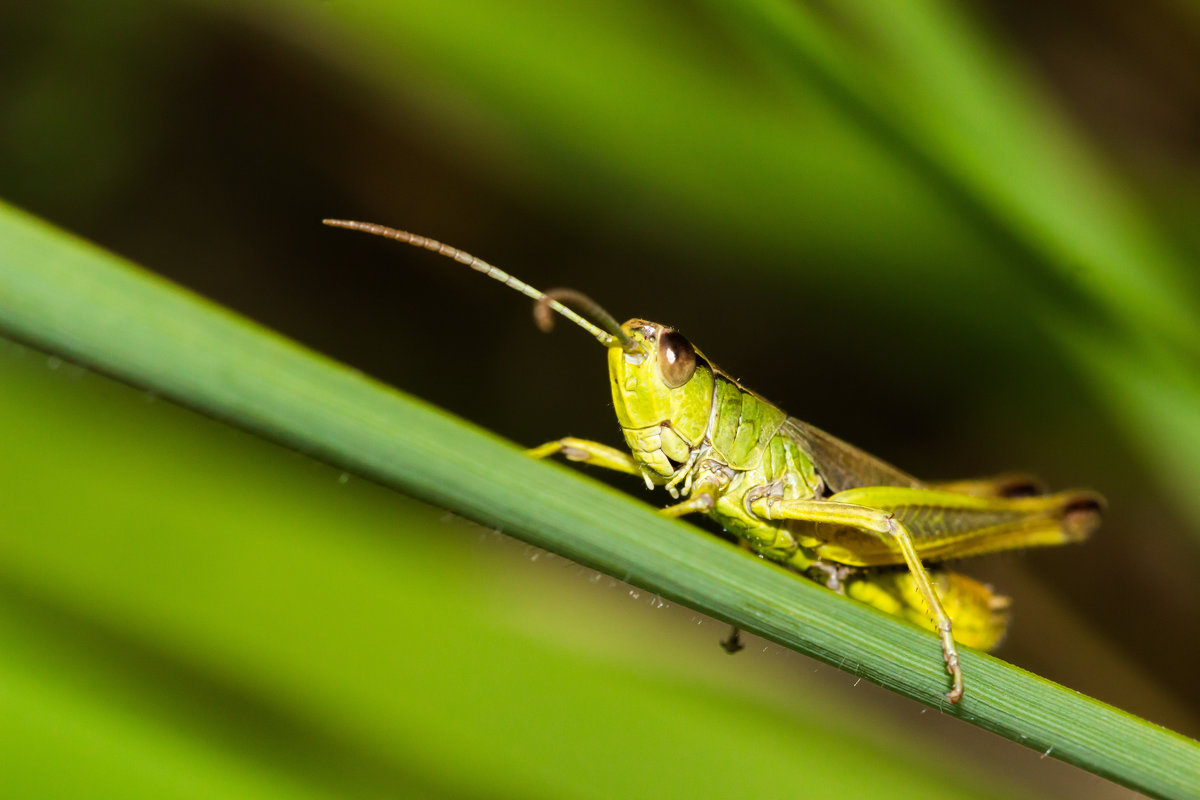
{"x":610,"y":335}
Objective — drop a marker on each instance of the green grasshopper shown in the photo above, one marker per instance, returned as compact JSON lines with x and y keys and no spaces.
{"x":792,"y":493}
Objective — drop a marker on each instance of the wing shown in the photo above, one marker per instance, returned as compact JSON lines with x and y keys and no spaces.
{"x":844,"y":466}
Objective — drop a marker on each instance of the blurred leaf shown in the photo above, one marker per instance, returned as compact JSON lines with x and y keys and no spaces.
{"x":648,"y":117}
{"x":939,"y":97}
{"x":1153,"y":396}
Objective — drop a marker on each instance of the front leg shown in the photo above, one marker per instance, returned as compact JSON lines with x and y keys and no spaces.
{"x":886,"y":527}
{"x":594,"y":453}
{"x":710,"y":482}
{"x":701,"y":502}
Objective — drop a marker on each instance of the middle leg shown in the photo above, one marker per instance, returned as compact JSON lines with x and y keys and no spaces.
{"x":884,"y":526}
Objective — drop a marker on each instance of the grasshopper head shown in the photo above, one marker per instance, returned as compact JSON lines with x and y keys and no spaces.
{"x":659,"y":377}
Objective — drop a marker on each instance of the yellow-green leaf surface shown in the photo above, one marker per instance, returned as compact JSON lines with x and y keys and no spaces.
{"x":334,"y":634}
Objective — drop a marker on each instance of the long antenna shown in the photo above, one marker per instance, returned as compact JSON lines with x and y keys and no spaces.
{"x":613,"y":337}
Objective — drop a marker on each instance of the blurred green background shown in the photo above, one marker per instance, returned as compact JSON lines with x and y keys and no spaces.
{"x":961,"y":238}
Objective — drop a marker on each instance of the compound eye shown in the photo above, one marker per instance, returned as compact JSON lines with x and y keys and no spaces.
{"x":676,"y":359}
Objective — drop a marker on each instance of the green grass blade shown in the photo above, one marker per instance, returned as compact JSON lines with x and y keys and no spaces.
{"x":74,"y":299}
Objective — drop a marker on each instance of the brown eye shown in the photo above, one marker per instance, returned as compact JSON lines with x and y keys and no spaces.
{"x":676,"y":359}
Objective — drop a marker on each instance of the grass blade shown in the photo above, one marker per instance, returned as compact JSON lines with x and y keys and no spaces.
{"x":74,"y":299}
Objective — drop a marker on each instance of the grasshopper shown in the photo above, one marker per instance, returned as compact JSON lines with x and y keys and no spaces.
{"x":792,"y":493}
